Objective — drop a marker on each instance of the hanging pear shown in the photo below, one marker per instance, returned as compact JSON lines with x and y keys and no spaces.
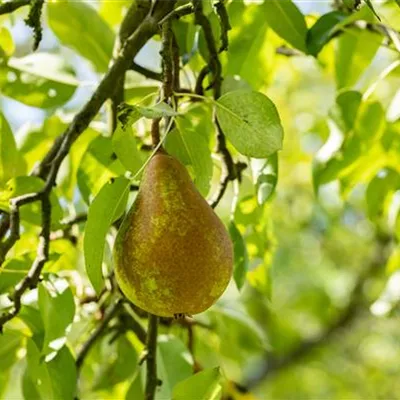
{"x":172,"y":254}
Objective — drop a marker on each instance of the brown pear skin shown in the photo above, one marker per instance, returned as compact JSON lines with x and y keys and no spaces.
{"x":172,"y":254}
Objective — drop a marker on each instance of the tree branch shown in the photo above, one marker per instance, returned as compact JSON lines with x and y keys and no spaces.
{"x":151,"y":358}
{"x":178,"y":13}
{"x":200,"y":80}
{"x":11,"y":6}
{"x":156,"y":76}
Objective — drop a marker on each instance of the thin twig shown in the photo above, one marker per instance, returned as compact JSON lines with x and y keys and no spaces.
{"x":225,"y":25}
{"x":4,"y":223}
{"x":148,"y":73}
{"x":32,"y":278}
{"x":229,"y":171}
{"x":151,"y":358}
{"x":78,"y":219}
{"x":200,"y":80}
{"x":178,"y":13}
{"x":108,"y":316}
{"x":214,"y":62}
{"x":227,"y":177}
{"x":14,"y":220}
{"x":11,"y":6}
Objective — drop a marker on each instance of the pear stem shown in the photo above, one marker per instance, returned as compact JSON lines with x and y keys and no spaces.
{"x":151,"y":358}
{"x":155,"y":131}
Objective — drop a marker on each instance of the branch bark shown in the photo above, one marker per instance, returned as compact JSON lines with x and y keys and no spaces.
{"x":151,"y":358}
{"x":11,"y":6}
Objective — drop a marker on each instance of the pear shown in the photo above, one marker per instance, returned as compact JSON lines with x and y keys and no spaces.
{"x":172,"y":255}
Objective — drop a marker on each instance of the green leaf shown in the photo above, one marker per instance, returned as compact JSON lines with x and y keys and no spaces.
{"x":35,"y":141}
{"x":241,"y":259}
{"x":33,"y":320}
{"x":79,"y":26}
{"x":204,"y":385}
{"x":323,"y":31}
{"x":120,"y":364}
{"x":371,"y":7}
{"x":11,"y":162}
{"x":354,"y":53}
{"x":381,"y":187}
{"x":10,"y":343}
{"x":7,"y":45}
{"x":251,"y":122}
{"x":233,"y":83}
{"x":287,"y":21}
{"x":113,"y":11}
{"x":125,"y":147}
{"x":137,"y":387}
{"x":371,"y":121}
{"x":393,"y":264}
{"x":185,"y":33}
{"x":78,"y":150}
{"x":360,"y":155}
{"x":40,"y":80}
{"x":13,"y":270}
{"x":249,"y":45}
{"x":195,"y":147}
{"x":98,"y":165}
{"x":174,"y":364}
{"x":53,"y":379}
{"x":344,"y":112}
{"x":57,"y":308}
{"x":107,"y":207}
{"x":176,"y":147}
{"x":266,"y":174}
{"x":134,"y":93}
{"x":240,"y":334}
{"x":64,"y":255}
{"x":29,"y":212}
{"x":157,"y":111}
